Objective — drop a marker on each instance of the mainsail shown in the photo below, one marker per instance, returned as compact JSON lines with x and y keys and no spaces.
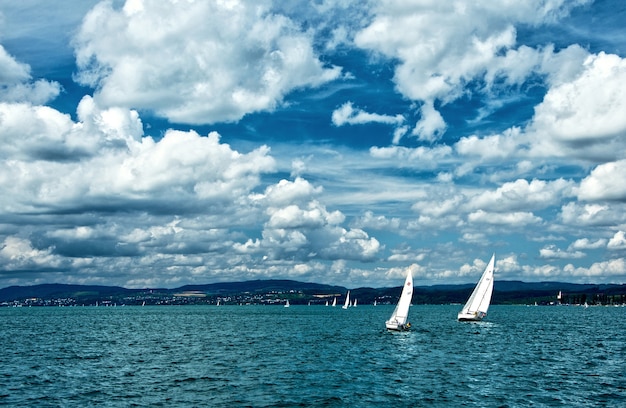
{"x":398,"y":319}
{"x":347,"y":304}
{"x":478,"y":302}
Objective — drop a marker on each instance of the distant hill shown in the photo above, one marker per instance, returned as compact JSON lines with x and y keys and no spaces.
{"x":265,"y":286}
{"x":275,"y":290}
{"x":57,"y":290}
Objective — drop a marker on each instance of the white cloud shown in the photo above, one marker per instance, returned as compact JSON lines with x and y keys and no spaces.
{"x":553,"y":252}
{"x":104,"y":159}
{"x":492,"y":147}
{"x":586,"y":243}
{"x":577,"y":214}
{"x":377,"y":222}
{"x":288,"y":192}
{"x":606,"y":182}
{"x":422,"y":157}
{"x":584,"y":117}
{"x":474,"y":238}
{"x":346,"y":114}
{"x":442,"y":48}
{"x":520,"y":194}
{"x":512,"y":219}
{"x":17,"y":85}
{"x":195,"y":62}
{"x":618,"y":241}
{"x":446,"y":205}
{"x":18,"y":254}
{"x":431,"y":125}
{"x":312,"y":232}
{"x":612,"y":270}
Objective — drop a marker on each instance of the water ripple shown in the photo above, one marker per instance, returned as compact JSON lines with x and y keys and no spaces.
{"x":311,"y":356}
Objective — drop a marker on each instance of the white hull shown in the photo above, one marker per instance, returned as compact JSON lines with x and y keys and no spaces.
{"x":397,"y":327}
{"x":471,"y":317}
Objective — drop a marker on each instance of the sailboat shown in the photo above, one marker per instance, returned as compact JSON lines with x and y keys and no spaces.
{"x":327,"y":303}
{"x":347,"y":304}
{"x":398,"y":319}
{"x":354,"y":303}
{"x":334,"y":302}
{"x":476,"y":307}
{"x":287,"y":304}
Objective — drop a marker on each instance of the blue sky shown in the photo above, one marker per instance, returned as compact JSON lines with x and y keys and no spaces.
{"x":159,"y":143}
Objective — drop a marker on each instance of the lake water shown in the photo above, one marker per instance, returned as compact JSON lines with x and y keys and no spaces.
{"x":312,"y":356}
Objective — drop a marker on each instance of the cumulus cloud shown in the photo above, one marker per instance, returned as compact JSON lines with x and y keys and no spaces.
{"x":553,"y":252}
{"x":179,"y":205}
{"x":302,"y":228}
{"x":613,"y":270}
{"x":584,"y":117}
{"x":586,"y":243}
{"x":618,"y":241}
{"x":512,"y":219}
{"x":431,"y":126}
{"x":287,"y":192}
{"x":520,"y":194}
{"x":195,"y":62}
{"x":17,"y":85}
{"x":492,"y":147}
{"x":578,"y":214}
{"x":95,"y":195}
{"x":19,"y":255}
{"x":104,"y":159}
{"x":378,"y":222}
{"x":440,"y":49}
{"x":606,"y":182}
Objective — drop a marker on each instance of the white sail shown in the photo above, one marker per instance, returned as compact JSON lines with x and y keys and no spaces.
{"x":347,"y":304}
{"x":354,"y":303}
{"x":478,"y":302}
{"x":327,"y":303}
{"x":334,"y":302}
{"x":398,"y":319}
{"x":287,"y":304}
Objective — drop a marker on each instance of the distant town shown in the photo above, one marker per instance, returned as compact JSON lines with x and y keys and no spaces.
{"x":278,"y":292}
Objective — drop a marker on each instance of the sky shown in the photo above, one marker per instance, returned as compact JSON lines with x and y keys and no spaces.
{"x":159,"y":143}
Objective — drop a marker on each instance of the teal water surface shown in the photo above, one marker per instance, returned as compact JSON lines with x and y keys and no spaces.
{"x":313,"y":356}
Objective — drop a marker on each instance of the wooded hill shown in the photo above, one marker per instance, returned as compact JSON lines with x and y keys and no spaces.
{"x":276,"y":291}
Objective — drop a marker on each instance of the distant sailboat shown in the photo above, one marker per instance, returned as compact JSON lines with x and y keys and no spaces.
{"x":398,"y":319}
{"x":334,"y":302}
{"x":354,"y":303}
{"x":327,"y":303}
{"x":374,"y":302}
{"x":478,"y":303}
{"x":347,"y":304}
{"x":287,"y":303}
